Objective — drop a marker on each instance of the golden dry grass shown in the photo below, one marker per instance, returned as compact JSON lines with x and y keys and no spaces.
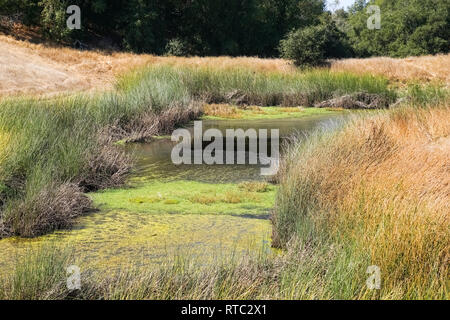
{"x":383,"y":186}
{"x":38,"y":69}
{"x":221,"y":110}
{"x":426,"y":68}
{"x":27,"y":68}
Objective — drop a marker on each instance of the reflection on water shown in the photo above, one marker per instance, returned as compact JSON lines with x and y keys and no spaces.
{"x":154,"y":162}
{"x":114,"y":237}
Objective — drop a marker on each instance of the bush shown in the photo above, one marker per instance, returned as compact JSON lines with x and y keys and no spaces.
{"x":176,"y":47}
{"x":311,"y":46}
{"x":53,"y":19}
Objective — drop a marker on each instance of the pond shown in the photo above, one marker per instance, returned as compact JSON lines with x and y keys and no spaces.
{"x":167,"y":210}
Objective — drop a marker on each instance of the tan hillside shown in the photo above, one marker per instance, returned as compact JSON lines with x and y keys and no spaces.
{"x":37,"y":69}
{"x":27,"y":68}
{"x":426,"y":68}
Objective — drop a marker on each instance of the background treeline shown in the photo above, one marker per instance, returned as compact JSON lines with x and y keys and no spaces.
{"x":308,"y":33}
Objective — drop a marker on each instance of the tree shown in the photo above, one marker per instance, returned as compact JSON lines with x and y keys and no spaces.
{"x":311,"y":46}
{"x":53,"y":19}
{"x":204,"y":27}
{"x":408,"y":27}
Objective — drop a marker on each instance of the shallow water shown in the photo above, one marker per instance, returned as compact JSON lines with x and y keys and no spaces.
{"x":159,"y":216}
{"x":154,"y":162}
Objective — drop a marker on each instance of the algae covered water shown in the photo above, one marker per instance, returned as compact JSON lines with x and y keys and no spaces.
{"x":165,"y":210}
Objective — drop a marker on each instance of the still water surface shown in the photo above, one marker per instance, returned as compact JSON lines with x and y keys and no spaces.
{"x":116,"y":236}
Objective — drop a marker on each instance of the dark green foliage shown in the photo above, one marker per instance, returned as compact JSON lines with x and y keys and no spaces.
{"x":28,"y":9}
{"x":205,"y":27}
{"x":53,"y":19}
{"x":311,"y":46}
{"x":246,"y":27}
{"x":408,"y":28}
{"x":177,"y":47}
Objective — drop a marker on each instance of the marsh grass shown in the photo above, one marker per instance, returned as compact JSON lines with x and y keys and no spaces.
{"x":374,"y":192}
{"x":243,"y":86}
{"x":370,"y":192}
{"x":424,"y":96}
{"x":42,"y":275}
{"x":296,"y":273}
{"x":39,"y":274}
{"x":69,"y":141}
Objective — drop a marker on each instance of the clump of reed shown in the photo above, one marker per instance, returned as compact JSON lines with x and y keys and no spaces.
{"x":41,"y":273}
{"x":242,"y":86}
{"x":60,"y":147}
{"x":374,"y":192}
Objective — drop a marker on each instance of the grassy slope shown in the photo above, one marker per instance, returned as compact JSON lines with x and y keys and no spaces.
{"x":74,"y":71}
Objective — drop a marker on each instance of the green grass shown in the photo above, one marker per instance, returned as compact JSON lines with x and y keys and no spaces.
{"x":51,"y":144}
{"x":187,"y":197}
{"x":248,"y":87}
{"x":420,"y":96}
{"x":271,"y":113}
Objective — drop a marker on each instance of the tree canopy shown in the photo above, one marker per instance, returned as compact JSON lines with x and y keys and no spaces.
{"x":247,"y":27}
{"x":408,"y":28}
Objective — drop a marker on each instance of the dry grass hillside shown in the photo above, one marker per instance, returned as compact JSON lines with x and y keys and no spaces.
{"x":27,"y":68}
{"x":38,"y":69}
{"x":425,"y":68}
